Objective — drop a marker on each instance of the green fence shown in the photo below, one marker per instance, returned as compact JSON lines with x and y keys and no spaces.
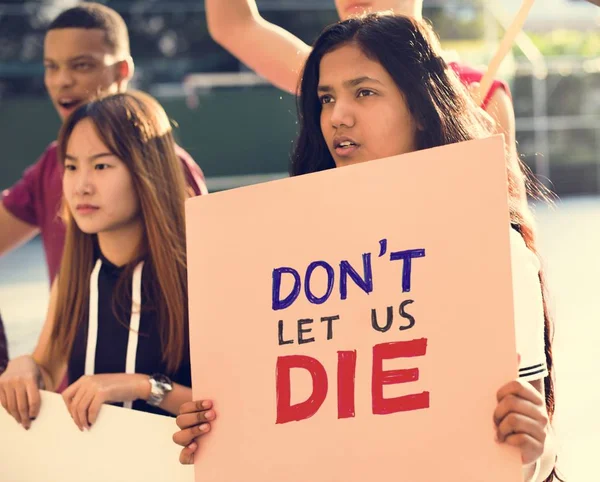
{"x":231,"y":132}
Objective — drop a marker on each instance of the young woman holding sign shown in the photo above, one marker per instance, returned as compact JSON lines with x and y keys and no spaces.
{"x":117,"y":318}
{"x":279,"y":56}
{"x":375,"y":87}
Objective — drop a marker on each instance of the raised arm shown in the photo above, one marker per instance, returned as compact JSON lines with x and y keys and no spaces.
{"x":269,"y":50}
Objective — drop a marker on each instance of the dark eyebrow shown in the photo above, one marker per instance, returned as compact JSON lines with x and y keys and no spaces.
{"x":102,"y":154}
{"x":75,"y":59}
{"x":349,"y":83}
{"x":89,"y":58}
{"x":95,"y":157}
{"x":360,"y":80}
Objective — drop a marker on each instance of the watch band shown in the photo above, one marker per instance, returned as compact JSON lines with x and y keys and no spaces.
{"x":160,"y":385}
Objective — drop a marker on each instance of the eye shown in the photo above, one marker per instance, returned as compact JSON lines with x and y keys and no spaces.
{"x":50,"y":67}
{"x":70,"y":167}
{"x":101,"y":166}
{"x":365,"y":93}
{"x":326,"y":99}
{"x":82,"y":66}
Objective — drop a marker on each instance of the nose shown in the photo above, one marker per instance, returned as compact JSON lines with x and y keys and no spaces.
{"x":83,"y":182}
{"x":342,"y":114}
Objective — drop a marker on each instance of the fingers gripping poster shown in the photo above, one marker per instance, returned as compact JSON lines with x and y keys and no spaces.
{"x":356,"y":324}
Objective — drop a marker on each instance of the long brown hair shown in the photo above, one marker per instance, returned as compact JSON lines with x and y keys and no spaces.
{"x":409,"y":51}
{"x":136,"y":129}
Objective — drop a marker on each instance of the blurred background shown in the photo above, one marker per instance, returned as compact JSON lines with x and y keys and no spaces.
{"x":241,"y":131}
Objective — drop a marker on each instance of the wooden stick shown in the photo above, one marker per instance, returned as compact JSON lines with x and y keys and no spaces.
{"x":505,"y":46}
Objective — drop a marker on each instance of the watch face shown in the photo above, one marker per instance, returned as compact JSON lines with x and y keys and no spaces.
{"x":160,"y":385}
{"x":160,"y":378}
{"x":163,"y":381}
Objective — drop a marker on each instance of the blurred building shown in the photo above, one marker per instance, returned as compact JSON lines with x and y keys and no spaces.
{"x":176,"y":57}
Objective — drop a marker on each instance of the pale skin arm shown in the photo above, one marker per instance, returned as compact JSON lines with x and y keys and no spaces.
{"x":269,"y":50}
{"x":13,"y":231}
{"x":501,"y":110}
{"x":85,"y":397}
{"x":500,"y":113}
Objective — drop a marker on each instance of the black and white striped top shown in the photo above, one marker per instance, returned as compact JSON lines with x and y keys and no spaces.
{"x":119,"y":339}
{"x":528,"y":309}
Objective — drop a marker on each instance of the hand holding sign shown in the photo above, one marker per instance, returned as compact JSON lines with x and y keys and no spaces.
{"x":19,"y":390}
{"x":85,"y":397}
{"x":194,"y":421}
{"x":521,"y":419}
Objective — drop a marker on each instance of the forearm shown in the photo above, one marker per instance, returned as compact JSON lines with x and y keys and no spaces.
{"x":26,"y":367}
{"x":501,"y":109}
{"x":175,"y":398}
{"x":269,"y":50}
{"x":225,"y":17}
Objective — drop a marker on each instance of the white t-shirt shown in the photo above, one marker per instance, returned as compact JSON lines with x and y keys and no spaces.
{"x":529,"y":311}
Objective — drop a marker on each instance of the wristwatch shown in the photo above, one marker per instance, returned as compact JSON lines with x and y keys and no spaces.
{"x":160,"y":385}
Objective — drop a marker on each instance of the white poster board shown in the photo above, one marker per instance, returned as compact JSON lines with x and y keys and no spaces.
{"x":123,"y":445}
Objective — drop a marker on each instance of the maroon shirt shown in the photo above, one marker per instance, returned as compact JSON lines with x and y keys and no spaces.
{"x":36,"y":199}
{"x":469,"y":76}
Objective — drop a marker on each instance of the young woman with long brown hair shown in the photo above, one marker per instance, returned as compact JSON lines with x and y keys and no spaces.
{"x":375,"y":87}
{"x":117,"y":318}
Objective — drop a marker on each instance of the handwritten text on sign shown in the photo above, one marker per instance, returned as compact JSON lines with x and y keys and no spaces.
{"x":302,"y":333}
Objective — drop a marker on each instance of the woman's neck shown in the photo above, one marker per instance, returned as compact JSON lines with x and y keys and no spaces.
{"x":123,"y":245}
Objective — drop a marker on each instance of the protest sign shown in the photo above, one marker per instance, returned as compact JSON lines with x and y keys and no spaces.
{"x":355,"y":324}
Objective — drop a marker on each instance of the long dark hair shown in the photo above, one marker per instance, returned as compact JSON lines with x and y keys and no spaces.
{"x":438,"y":102}
{"x":406,"y":49}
